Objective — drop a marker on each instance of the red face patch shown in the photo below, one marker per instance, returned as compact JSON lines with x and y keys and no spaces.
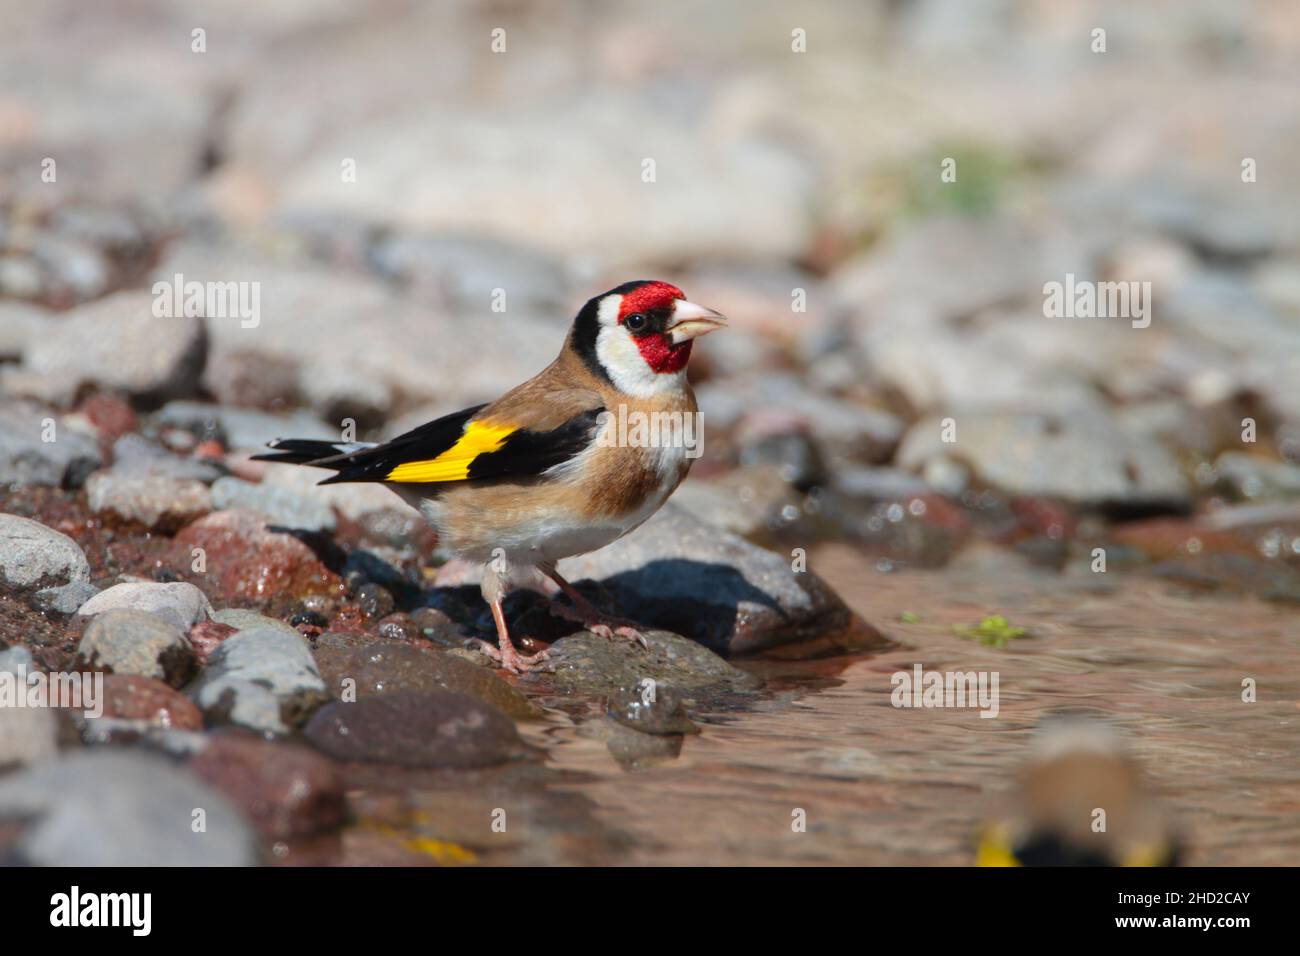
{"x":660,"y":353}
{"x":652,"y":295}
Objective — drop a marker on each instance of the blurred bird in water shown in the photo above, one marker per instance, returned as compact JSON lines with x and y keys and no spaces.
{"x":545,"y":472}
{"x":1080,"y":801}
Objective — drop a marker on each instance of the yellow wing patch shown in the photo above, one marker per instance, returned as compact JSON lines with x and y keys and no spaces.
{"x":479,"y":438}
{"x":995,"y":848}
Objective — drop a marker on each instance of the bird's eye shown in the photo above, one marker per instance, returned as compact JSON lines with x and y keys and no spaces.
{"x":635,"y":322}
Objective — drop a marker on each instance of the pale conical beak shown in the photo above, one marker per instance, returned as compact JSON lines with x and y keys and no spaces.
{"x":690,"y":321}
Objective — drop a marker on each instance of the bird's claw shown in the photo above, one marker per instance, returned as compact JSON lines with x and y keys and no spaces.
{"x":626,"y":631}
{"x":511,"y":660}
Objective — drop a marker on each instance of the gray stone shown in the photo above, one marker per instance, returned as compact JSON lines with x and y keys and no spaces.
{"x":178,"y":603}
{"x":155,"y":501}
{"x":19,"y":325}
{"x":134,"y":455}
{"x":26,"y":733}
{"x":135,"y":642}
{"x":465,"y":272}
{"x":1252,"y":478}
{"x":33,"y":556}
{"x":66,"y":599}
{"x":281,"y":506}
{"x":114,"y":807}
{"x":690,"y":578}
{"x":591,"y":665}
{"x":242,"y":427}
{"x":118,"y":342}
{"x":27,"y":459}
{"x":243,"y":619}
{"x":1084,"y":457}
{"x":263,"y":679}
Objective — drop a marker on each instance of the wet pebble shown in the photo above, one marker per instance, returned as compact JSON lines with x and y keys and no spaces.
{"x":285,"y":790}
{"x":374,"y":667}
{"x":26,"y":458}
{"x":246,"y":561}
{"x":651,"y":708}
{"x":375,"y":600}
{"x":133,"y":697}
{"x":589,"y":665}
{"x":412,"y":729}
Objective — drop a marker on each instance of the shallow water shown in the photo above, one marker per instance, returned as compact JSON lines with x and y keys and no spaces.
{"x":881,"y":785}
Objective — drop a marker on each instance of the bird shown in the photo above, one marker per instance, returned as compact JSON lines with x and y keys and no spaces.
{"x":1081,"y":800}
{"x":550,"y":469}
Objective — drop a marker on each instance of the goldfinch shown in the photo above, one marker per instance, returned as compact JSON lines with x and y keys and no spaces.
{"x":547,"y":470}
{"x":1081,"y":800}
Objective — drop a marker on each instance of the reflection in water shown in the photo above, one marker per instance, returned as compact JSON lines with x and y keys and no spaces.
{"x":882,"y":785}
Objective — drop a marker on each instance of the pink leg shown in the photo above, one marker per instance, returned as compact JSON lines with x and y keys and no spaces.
{"x":589,"y":616}
{"x":506,"y":655}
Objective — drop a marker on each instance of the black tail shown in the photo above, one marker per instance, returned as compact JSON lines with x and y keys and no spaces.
{"x":307,"y":451}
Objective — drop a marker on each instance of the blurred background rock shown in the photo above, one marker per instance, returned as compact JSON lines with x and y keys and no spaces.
{"x":778,"y":174}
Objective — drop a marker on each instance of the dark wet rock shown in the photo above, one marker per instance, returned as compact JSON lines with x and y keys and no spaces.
{"x":377,"y":667}
{"x":26,"y":458}
{"x":792,"y":453}
{"x":136,"y":698}
{"x":242,"y":427}
{"x":243,"y":619}
{"x":1083,"y":457}
{"x":632,"y":749}
{"x":118,"y":343}
{"x":651,"y":708}
{"x":375,"y":600}
{"x":157,"y":502}
{"x":262,"y":679}
{"x":124,"y":641}
{"x":178,"y":603}
{"x":594,"y":666}
{"x":282,"y":507}
{"x":285,"y":790}
{"x":248,"y":560}
{"x":735,"y":598}
{"x":135,"y":455}
{"x":207,"y":636}
{"x":435,"y":625}
{"x":398,"y":627}
{"x":117,"y":807}
{"x":411,"y":729}
{"x":33,"y":556}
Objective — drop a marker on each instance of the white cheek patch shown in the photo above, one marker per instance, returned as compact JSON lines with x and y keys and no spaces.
{"x":628,"y":369}
{"x":607,"y":312}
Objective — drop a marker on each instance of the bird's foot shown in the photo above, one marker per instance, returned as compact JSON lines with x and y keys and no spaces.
{"x":511,"y":660}
{"x":603,"y":625}
{"x":628,"y":632}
